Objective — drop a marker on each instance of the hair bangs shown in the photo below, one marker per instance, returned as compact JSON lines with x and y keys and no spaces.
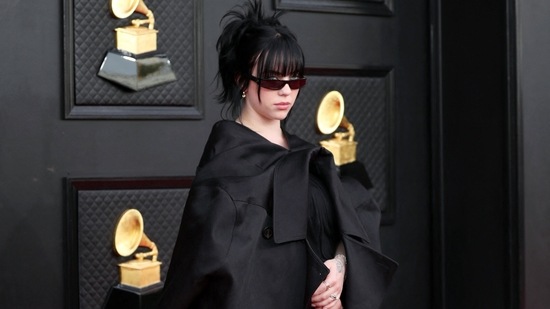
{"x":284,"y":57}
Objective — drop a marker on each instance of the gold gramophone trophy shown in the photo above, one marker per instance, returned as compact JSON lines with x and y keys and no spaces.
{"x":330,"y":117}
{"x":135,"y":62}
{"x":140,"y":272}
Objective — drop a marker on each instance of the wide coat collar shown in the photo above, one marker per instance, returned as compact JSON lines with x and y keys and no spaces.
{"x":234,"y":150}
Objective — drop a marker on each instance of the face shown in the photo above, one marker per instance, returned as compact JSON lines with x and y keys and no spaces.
{"x":269,"y":105}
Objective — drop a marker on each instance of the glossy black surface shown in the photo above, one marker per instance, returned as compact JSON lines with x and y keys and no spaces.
{"x":136,"y":72}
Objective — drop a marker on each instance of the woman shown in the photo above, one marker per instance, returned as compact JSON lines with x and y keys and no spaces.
{"x":268,"y":222}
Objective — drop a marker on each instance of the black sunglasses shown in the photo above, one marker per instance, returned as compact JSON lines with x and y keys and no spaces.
{"x":277,"y":84}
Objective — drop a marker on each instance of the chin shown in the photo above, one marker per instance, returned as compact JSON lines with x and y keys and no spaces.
{"x":282,"y":117}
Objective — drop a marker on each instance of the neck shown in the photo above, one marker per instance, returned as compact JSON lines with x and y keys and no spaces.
{"x":270,"y":130}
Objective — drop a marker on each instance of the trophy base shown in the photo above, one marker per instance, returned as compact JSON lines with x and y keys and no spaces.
{"x":344,"y":151}
{"x":136,"y":72}
{"x":121,"y":296}
{"x":136,"y":40}
{"x":140,"y":273}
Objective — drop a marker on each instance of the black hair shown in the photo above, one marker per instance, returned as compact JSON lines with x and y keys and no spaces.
{"x":249,"y":37}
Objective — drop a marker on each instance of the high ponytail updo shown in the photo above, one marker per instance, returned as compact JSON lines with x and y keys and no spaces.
{"x":249,"y":37}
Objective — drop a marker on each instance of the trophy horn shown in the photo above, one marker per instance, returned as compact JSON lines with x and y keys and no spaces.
{"x":125,"y":8}
{"x":330,"y":116}
{"x":129,"y":236}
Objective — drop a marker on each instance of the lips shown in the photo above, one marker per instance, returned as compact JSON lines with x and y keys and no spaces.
{"x":283,"y":105}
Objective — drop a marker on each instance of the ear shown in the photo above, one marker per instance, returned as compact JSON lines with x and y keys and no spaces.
{"x":242,"y":83}
{"x":238,"y":81}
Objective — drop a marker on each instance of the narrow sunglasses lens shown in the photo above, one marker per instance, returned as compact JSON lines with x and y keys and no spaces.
{"x":275,"y":84}
{"x":296,"y":83}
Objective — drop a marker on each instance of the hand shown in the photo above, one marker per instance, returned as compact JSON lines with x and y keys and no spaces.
{"x":327,"y":295}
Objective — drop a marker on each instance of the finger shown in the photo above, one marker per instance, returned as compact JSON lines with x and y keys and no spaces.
{"x":318,"y":299}
{"x":320,"y":290}
{"x":326,"y":299}
{"x":334,"y":305}
{"x":325,"y":294}
{"x":323,"y":287}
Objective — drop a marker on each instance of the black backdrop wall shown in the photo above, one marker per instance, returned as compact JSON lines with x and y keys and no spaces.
{"x":39,"y":149}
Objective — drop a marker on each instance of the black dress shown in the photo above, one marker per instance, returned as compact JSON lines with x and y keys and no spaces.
{"x":322,"y":229}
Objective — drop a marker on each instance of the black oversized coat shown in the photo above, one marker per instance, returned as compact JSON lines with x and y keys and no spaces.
{"x":242,"y":241}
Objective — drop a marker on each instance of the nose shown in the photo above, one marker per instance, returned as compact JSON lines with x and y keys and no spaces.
{"x":286,"y":90}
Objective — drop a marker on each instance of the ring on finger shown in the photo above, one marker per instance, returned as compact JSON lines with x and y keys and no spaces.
{"x":334,"y":296}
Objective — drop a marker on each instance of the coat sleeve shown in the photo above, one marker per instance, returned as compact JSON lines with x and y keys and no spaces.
{"x":369,"y":272}
{"x":201,"y":247}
